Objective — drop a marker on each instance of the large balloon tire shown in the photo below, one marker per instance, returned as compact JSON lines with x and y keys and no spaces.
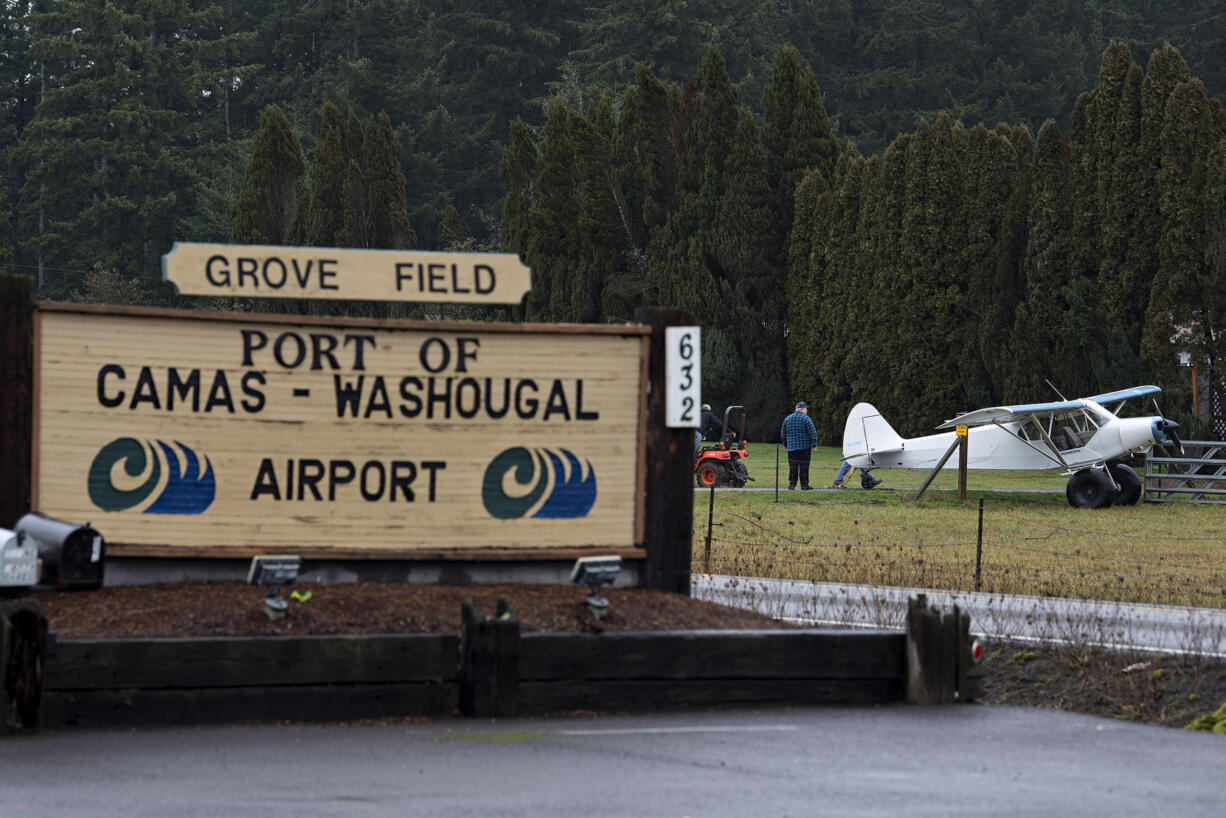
{"x":707,"y":475}
{"x":1090,"y":488}
{"x":1130,"y":484}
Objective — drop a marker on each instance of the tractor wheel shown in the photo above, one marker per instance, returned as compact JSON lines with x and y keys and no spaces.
{"x":707,"y":475}
{"x":737,"y":475}
{"x":1129,"y":483}
{"x":1090,"y":488}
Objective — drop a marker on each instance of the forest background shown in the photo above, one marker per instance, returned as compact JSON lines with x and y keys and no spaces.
{"x":931,"y":206}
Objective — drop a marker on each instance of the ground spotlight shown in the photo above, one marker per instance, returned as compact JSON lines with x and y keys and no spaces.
{"x":274,"y":571}
{"x":595,"y":572}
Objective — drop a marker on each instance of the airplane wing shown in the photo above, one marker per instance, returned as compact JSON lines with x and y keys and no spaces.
{"x":1005,"y":414}
{"x":1123,"y":395}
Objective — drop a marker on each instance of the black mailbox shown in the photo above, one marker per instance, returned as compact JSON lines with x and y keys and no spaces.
{"x":73,"y":556}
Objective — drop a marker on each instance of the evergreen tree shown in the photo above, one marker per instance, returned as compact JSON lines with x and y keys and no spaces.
{"x":1120,"y":276}
{"x":796,"y":131}
{"x":491,"y":64}
{"x":1165,"y":70}
{"x":452,"y":234}
{"x":272,"y":188}
{"x":326,"y":207}
{"x":991,"y":260}
{"x":811,"y":200}
{"x":663,"y":36}
{"x":108,"y":160}
{"x":647,"y":123}
{"x":1042,"y":312}
{"x":517,"y":169}
{"x":819,"y":301}
{"x":1009,"y":283}
{"x":712,"y":258}
{"x":607,"y":226}
{"x":798,"y":139}
{"x":929,"y":323}
{"x":859,"y":351}
{"x":676,"y":264}
{"x":885,"y":278}
{"x":1192,"y":163}
{"x":551,"y":229}
{"x":387,"y":221}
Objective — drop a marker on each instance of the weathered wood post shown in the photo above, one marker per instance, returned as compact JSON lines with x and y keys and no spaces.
{"x":16,"y":395}
{"x":23,"y":645}
{"x":964,"y":440}
{"x":489,"y":662}
{"x":936,"y":667}
{"x":669,"y":504}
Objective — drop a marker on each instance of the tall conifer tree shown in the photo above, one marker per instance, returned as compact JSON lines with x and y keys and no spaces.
{"x":551,"y":226}
{"x":1191,"y":169}
{"x":109,"y":159}
{"x":388,"y":221}
{"x":796,"y":133}
{"x":1041,"y":312}
{"x":325,"y":219}
{"x":518,"y":169}
{"x":272,"y":188}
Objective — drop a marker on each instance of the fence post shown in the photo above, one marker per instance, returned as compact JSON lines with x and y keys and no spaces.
{"x":932,"y":653}
{"x":23,"y":645}
{"x":489,"y":662}
{"x":16,"y":396}
{"x":776,"y":472}
{"x":706,"y":562}
{"x":979,"y":548}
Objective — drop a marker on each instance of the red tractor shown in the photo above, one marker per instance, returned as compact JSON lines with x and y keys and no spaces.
{"x":720,"y":464}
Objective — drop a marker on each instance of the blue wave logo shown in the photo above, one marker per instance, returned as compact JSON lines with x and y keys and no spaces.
{"x":186,"y":491}
{"x":568,"y":488}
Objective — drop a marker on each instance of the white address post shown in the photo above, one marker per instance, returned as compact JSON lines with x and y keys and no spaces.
{"x":683,"y":376}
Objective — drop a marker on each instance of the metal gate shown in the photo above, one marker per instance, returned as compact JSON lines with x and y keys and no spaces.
{"x":1198,"y":475}
{"x":1217,"y":412}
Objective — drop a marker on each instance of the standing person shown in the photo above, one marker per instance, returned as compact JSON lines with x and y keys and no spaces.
{"x":799,"y":437}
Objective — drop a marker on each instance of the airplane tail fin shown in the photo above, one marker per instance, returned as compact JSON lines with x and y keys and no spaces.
{"x":867,"y":433}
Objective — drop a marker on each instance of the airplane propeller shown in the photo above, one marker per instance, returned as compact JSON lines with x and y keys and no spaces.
{"x":1169,"y":427}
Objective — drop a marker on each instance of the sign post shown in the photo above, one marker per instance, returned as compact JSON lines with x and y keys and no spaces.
{"x":669,"y":498}
{"x":963,"y":440}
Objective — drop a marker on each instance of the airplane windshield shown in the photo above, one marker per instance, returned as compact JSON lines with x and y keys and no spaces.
{"x":1067,"y":431}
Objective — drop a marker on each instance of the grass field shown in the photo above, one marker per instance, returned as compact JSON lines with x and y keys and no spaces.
{"x":1032,"y":542}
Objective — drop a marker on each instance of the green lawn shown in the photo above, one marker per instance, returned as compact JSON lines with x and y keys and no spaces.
{"x":826,"y":460}
{"x":1032,"y":543}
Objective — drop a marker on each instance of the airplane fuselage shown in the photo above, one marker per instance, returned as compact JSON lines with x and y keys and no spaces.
{"x":1019,"y":445}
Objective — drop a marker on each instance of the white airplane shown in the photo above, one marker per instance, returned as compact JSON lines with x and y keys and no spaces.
{"x":1082,"y":438}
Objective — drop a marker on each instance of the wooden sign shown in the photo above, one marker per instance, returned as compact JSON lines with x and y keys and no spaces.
{"x":351,"y":275}
{"x":222,"y":430}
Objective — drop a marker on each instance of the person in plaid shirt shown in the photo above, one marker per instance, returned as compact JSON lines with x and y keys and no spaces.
{"x":799,"y":437}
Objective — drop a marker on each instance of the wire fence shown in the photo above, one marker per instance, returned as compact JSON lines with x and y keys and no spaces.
{"x":1085,"y":562}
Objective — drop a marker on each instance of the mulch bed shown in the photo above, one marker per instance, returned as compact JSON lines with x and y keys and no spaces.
{"x":1166,"y":689}
{"x":236,"y":609}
